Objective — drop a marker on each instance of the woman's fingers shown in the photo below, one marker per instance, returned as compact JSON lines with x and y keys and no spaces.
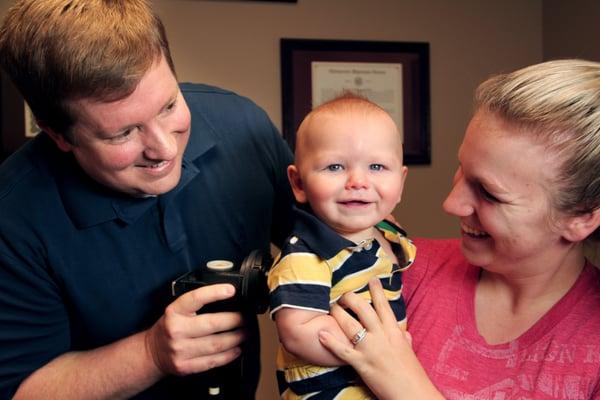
{"x":363,"y":310}
{"x":341,"y":350}
{"x":349,"y":325}
{"x":381,"y":304}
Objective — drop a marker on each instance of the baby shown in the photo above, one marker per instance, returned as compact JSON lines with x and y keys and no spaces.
{"x":347,"y":177}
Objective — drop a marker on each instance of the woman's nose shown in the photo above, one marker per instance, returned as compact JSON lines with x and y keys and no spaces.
{"x":460,"y":200}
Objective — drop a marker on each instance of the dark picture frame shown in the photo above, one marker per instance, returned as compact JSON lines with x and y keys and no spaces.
{"x":297,"y":56}
{"x":12,"y":118}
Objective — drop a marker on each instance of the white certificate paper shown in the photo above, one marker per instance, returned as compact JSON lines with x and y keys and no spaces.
{"x":31,"y":127}
{"x":379,"y":82}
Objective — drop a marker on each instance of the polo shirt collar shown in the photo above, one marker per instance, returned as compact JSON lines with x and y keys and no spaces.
{"x":321,"y":239}
{"x":89,"y":203}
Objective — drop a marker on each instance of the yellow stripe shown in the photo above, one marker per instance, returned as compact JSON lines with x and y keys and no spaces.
{"x":300,"y":267}
{"x":381,"y":269}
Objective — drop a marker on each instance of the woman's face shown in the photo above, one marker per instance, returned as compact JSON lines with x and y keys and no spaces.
{"x":501,"y":193}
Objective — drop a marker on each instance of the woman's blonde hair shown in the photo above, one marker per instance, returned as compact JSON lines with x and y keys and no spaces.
{"x":558,"y":102}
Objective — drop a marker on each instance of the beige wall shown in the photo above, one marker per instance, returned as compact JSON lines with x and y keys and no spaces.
{"x":234,"y":44}
{"x":571,"y":29}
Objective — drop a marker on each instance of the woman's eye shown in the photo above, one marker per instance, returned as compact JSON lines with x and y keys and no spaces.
{"x":488,"y":196}
{"x":376,"y":167}
{"x":334,"y":167}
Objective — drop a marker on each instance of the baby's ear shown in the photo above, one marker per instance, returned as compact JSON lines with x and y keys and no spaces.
{"x":580,"y":227}
{"x":402,"y":182}
{"x":296,"y":182}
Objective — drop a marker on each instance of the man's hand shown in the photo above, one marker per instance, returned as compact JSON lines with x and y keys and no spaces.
{"x":182,"y":342}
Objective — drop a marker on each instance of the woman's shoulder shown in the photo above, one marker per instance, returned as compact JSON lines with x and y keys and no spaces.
{"x":439,"y":260}
{"x":437,"y":251}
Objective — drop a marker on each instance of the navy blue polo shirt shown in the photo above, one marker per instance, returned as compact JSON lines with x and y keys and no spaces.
{"x":82,"y":266}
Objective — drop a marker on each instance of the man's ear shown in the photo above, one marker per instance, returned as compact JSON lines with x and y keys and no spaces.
{"x":581,"y":226}
{"x":296,"y":182}
{"x":61,"y":142}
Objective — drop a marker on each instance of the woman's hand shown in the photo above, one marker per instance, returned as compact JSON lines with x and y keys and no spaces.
{"x":384,"y":358}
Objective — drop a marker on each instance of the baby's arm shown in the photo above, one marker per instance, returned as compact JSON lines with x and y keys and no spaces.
{"x":298,"y":332}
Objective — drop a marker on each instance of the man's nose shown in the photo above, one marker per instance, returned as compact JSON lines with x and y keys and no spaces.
{"x":159,"y":143}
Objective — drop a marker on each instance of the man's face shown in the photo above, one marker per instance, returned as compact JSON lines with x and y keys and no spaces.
{"x":134,"y":145}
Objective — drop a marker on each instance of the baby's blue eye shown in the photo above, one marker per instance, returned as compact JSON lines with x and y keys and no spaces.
{"x":376,"y":167}
{"x":334,"y":167}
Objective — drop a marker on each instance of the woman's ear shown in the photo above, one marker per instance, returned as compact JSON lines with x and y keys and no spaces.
{"x":580,"y":227}
{"x":296,"y":182}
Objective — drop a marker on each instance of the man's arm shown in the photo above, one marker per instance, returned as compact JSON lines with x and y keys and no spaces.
{"x":179,"y":343}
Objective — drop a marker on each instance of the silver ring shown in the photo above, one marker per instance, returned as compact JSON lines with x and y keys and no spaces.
{"x":359,"y":337}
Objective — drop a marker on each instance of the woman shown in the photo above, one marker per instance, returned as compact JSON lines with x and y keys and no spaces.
{"x":512,"y":309}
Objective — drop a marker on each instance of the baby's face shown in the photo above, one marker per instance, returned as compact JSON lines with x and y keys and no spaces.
{"x":351,"y":170}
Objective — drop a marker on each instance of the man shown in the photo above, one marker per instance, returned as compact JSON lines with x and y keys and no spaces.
{"x":134,"y":181}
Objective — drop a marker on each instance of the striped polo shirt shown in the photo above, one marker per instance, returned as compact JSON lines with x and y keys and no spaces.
{"x":315,"y":268}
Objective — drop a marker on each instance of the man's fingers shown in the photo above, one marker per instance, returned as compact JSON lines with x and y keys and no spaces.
{"x":210,"y":323}
{"x":217,"y":343}
{"x":194,"y":300}
{"x":191,"y":348}
{"x":204,"y":363}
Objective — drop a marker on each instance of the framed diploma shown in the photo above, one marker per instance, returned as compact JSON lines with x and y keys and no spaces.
{"x":31,"y":126}
{"x":12,"y":118}
{"x":395,"y":75}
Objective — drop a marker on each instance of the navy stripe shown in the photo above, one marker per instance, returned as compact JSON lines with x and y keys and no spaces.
{"x":399,"y":309}
{"x":328,"y":394}
{"x":282,"y":385}
{"x":357,"y":262}
{"x":305,"y":295}
{"x":338,"y":378}
{"x":392,"y":283}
